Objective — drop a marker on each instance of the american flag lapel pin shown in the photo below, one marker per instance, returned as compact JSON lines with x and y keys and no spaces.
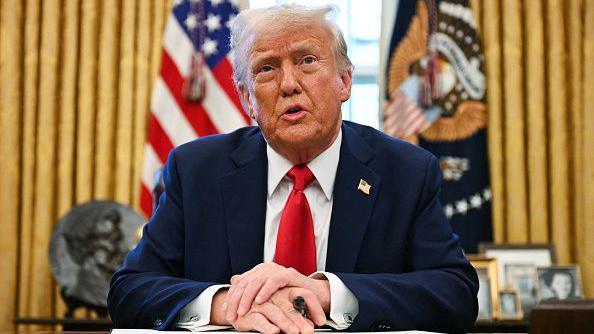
{"x":364,"y":187}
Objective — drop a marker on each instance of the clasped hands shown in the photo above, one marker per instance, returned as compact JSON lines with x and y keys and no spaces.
{"x":262,"y":300}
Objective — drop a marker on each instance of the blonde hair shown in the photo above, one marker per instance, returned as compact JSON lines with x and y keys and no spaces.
{"x":260,"y":21}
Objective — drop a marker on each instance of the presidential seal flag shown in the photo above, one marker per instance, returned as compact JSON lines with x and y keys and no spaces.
{"x":194,"y":95}
{"x":435,"y":97}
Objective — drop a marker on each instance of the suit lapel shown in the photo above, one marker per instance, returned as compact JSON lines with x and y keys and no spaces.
{"x":244,"y":200}
{"x":352,"y":208}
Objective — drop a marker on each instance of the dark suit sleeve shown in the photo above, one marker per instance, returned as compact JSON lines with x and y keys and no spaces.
{"x":439,"y":291}
{"x":149,"y":290}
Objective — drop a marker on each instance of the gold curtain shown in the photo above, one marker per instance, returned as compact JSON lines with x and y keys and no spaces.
{"x":540,"y":85}
{"x":75,"y":83}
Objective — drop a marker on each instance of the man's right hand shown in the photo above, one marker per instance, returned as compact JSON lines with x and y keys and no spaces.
{"x":270,"y":317}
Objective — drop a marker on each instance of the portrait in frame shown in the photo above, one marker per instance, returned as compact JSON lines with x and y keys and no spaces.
{"x":510,"y":307}
{"x":560,"y":282}
{"x":523,"y":278}
{"x":488,"y":295}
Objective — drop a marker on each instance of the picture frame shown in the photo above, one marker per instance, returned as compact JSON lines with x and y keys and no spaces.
{"x":510,"y":307}
{"x":523,"y":278}
{"x":560,"y":282}
{"x":539,"y":255}
{"x":488,"y":295}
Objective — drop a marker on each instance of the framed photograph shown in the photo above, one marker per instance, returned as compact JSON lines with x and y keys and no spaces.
{"x":560,"y":282}
{"x":538,"y":255}
{"x":523,"y":278}
{"x":509,"y":305}
{"x":488,"y":295}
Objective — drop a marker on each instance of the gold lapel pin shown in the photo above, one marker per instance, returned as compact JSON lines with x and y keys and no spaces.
{"x":364,"y":187}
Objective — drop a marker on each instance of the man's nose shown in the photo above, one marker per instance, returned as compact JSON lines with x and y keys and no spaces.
{"x":290,"y":80}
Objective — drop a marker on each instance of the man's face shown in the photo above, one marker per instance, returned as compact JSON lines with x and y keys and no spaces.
{"x":561,"y":285}
{"x":294,"y":88}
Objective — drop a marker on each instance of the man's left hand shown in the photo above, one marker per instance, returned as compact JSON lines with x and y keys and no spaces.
{"x":260,"y":283}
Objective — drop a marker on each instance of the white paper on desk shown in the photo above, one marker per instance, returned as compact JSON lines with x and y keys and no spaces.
{"x":152,"y":331}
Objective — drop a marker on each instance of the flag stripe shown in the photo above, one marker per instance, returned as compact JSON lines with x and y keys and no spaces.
{"x":219,"y":107}
{"x":223,"y":72}
{"x":146,"y":200}
{"x":167,"y":112}
{"x":158,"y":140}
{"x":194,"y":112}
{"x":151,"y":159}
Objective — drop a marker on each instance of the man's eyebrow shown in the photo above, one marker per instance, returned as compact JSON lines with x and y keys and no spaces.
{"x":261,"y":55}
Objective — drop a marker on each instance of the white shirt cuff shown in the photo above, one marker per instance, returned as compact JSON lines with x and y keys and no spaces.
{"x":196,"y":315}
{"x":344,"y":306}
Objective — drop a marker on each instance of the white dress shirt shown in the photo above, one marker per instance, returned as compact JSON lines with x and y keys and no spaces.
{"x":344,"y":306}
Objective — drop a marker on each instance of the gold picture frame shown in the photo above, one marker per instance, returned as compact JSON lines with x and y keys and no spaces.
{"x":488,"y":296}
{"x":510,"y":307}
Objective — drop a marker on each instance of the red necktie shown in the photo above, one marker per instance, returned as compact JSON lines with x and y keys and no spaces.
{"x":295,"y":242}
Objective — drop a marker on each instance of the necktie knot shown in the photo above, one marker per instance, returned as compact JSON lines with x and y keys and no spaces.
{"x":301,"y":176}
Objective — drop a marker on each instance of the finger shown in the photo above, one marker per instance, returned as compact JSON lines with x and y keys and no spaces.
{"x":289,"y":277}
{"x":235,"y":279}
{"x":315,"y":312}
{"x":304,"y":324}
{"x":248,"y":296}
{"x":258,"y":322}
{"x":233,"y":301}
{"x":275,"y":315}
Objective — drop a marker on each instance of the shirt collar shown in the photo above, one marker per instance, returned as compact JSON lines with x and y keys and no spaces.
{"x":323,"y":167}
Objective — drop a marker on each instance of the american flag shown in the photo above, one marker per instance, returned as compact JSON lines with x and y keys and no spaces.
{"x":194,"y":26}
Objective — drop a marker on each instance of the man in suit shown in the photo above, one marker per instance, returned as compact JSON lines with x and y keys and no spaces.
{"x":304,"y":205}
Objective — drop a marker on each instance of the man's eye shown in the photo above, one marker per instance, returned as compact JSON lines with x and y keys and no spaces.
{"x":309,"y":60}
{"x":265,"y":68}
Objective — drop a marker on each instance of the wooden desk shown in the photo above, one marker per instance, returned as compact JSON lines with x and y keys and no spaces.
{"x":69,"y":324}
{"x":101,"y":326}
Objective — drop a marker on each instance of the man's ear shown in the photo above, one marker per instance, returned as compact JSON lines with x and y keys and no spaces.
{"x":244,"y":95}
{"x":346,"y":77}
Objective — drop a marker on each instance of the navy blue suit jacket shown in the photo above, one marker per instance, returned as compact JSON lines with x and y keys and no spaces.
{"x":394,"y":248}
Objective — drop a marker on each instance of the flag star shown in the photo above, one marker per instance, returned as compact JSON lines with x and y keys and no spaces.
{"x":216,"y":2}
{"x":209,"y":47}
{"x":487,"y":194}
{"x":449,"y":211}
{"x":235,"y":3}
{"x":476,"y":201}
{"x":462,"y":206}
{"x":191,"y":21}
{"x":230,"y":21}
{"x":177,"y":2}
{"x":213,"y":22}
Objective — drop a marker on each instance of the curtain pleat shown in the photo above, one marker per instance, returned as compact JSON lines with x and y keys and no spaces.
{"x":558,"y":128}
{"x":491,"y":34}
{"x":125,"y":120}
{"x":514,"y":123}
{"x":11,"y":80}
{"x":536,"y":131}
{"x":107,"y":99}
{"x":68,"y":121}
{"x":28,"y":144}
{"x":575,"y":36}
{"x":87,"y":100}
{"x":40,"y":302}
{"x":142,"y":94}
{"x":586,"y":197}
